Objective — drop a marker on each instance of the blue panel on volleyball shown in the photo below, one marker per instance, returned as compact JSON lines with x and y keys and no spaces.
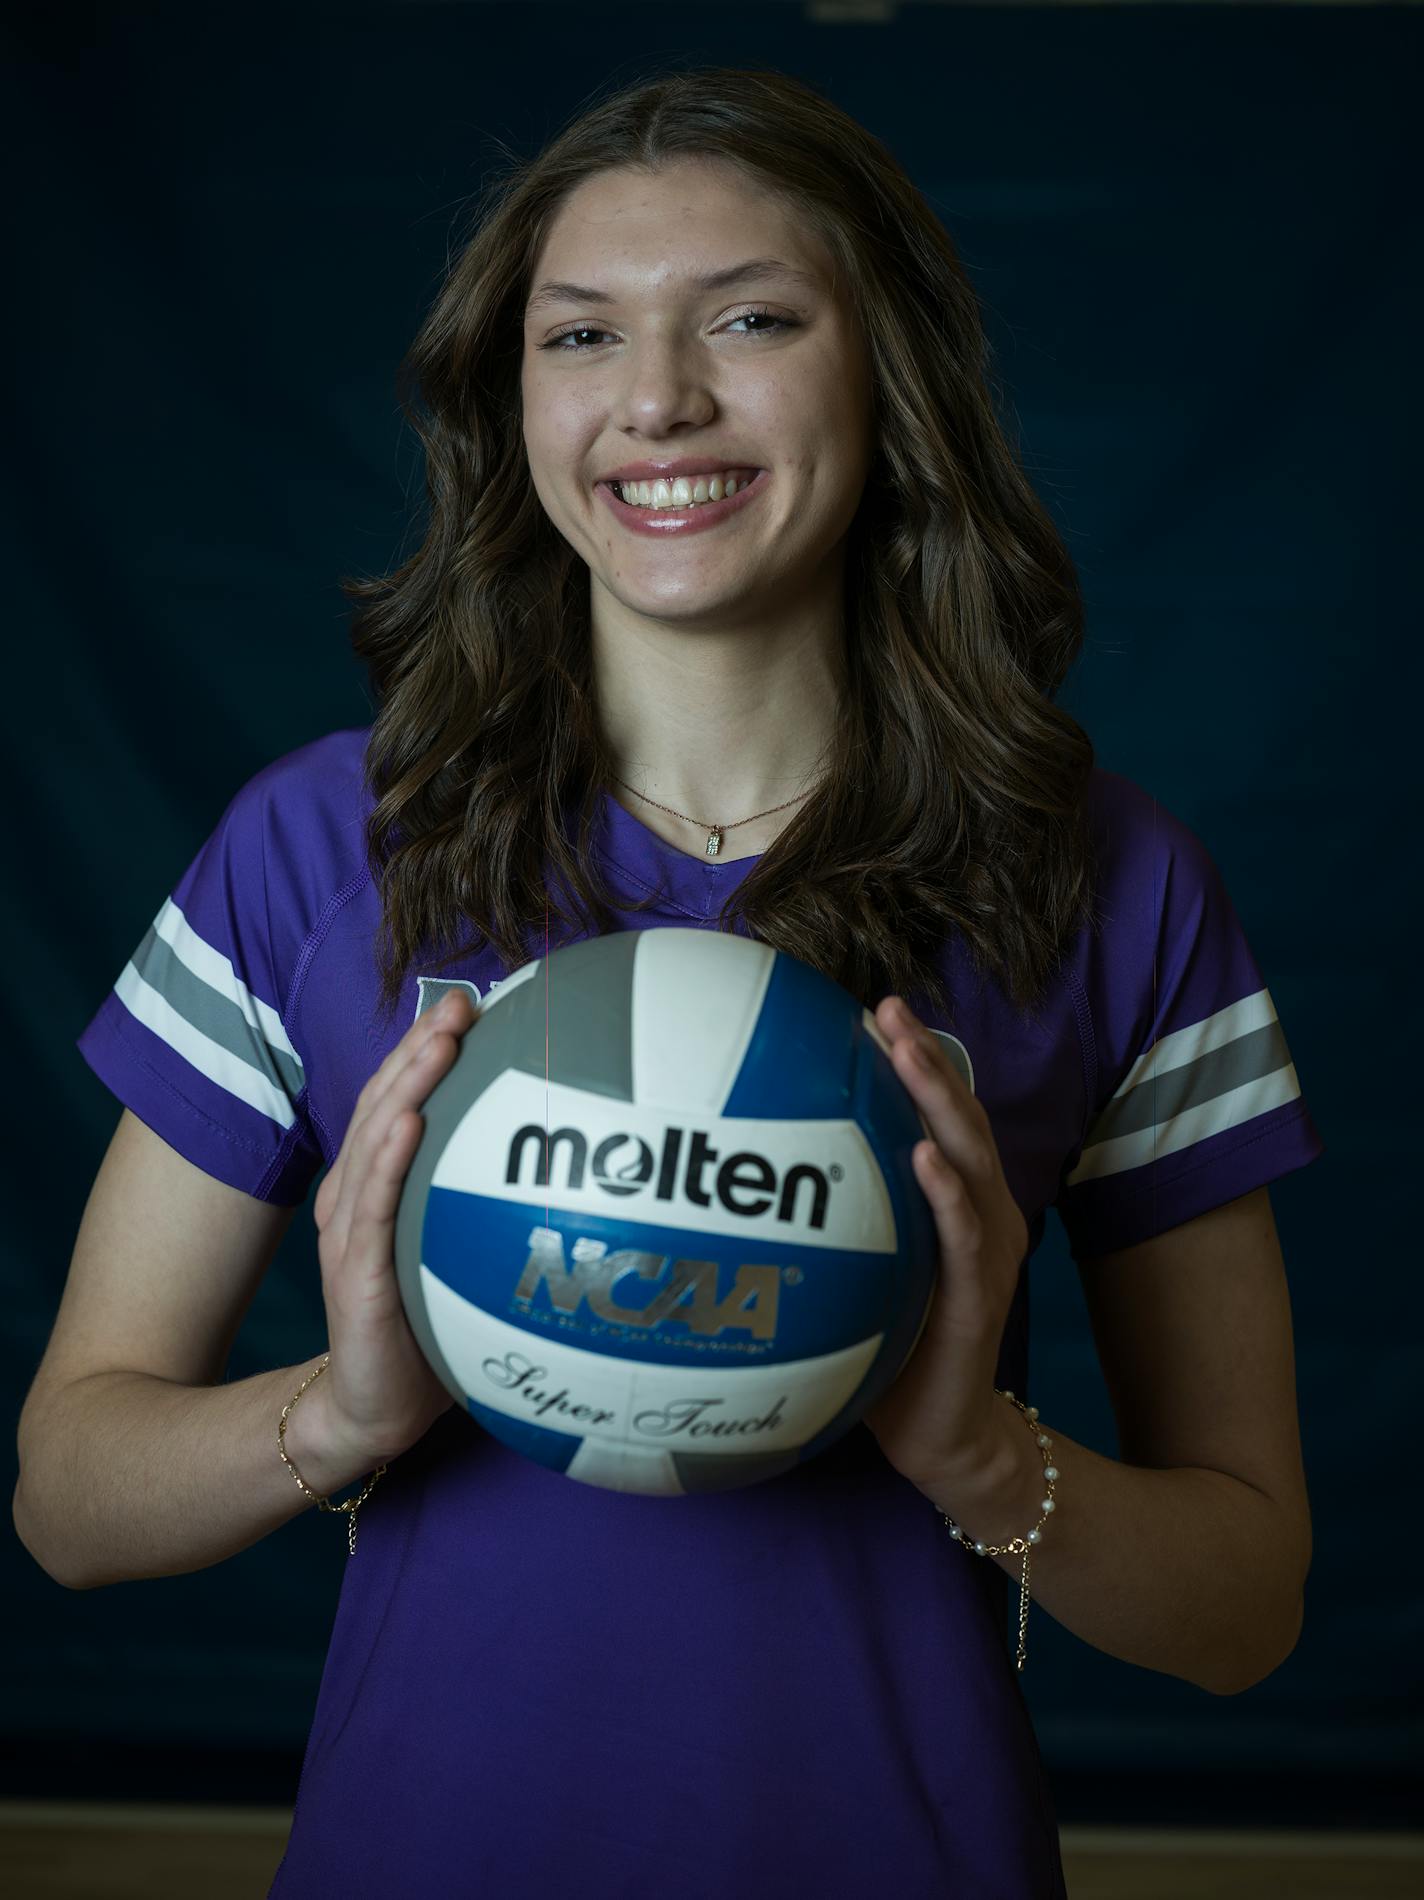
{"x":790,"y":1068}
{"x":479,"y":1247}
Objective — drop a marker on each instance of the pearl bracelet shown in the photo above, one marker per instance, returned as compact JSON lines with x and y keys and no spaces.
{"x":1018,"y":1545}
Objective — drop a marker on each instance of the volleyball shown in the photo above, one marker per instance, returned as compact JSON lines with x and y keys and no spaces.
{"x":662,"y":1232}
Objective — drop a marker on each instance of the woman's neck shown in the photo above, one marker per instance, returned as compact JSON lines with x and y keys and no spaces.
{"x":720,"y":729}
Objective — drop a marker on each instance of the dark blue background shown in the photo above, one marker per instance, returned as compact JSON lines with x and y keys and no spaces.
{"x":1195,"y":233}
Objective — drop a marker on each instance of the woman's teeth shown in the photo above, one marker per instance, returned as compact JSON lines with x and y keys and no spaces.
{"x":683,"y":491}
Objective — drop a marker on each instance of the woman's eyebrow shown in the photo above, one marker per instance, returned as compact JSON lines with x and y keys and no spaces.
{"x":751,"y":270}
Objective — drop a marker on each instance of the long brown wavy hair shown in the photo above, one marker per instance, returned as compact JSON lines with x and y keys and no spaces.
{"x":955,"y":794}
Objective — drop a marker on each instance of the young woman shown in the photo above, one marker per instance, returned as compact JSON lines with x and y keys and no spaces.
{"x":735,"y":610}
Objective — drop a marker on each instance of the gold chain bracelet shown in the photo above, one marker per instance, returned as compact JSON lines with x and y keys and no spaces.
{"x":1035,"y":1536}
{"x":350,"y":1505}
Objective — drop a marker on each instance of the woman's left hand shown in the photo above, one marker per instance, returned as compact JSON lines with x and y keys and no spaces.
{"x":937,"y":1420}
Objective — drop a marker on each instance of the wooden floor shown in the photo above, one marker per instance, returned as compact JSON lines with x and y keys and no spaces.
{"x":82,"y":1851}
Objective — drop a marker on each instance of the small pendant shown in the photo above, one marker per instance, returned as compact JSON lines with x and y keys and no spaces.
{"x":714,"y":841}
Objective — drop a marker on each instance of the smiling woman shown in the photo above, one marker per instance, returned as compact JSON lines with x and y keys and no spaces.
{"x":721,"y":514}
{"x":709,"y":273}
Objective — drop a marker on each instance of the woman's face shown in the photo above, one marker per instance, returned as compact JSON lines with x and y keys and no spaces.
{"x":658,"y":368}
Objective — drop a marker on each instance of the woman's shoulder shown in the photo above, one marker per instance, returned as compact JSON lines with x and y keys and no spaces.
{"x":1136,"y":836}
{"x":324,"y":770}
{"x":306,"y":791}
{"x":295,"y":830}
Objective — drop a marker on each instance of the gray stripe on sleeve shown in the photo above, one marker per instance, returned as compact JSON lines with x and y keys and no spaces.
{"x":1157,"y":1100}
{"x":216,"y":1016}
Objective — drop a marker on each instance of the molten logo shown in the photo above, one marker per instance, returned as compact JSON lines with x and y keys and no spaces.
{"x":742,"y":1175}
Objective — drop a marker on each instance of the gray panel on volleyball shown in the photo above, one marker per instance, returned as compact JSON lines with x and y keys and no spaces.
{"x":700,"y":1471}
{"x":590,"y":1046}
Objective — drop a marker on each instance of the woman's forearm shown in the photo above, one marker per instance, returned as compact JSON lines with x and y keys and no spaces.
{"x":129,"y":1476}
{"x":1183,"y":1570}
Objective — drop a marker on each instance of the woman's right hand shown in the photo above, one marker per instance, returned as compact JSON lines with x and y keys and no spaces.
{"x":381,"y":1395}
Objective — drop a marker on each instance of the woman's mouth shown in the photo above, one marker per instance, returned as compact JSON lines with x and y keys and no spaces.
{"x":683,"y":518}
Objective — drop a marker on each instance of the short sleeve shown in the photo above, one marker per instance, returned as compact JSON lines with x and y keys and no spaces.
{"x":1197,"y":1100}
{"x":191,"y":1036}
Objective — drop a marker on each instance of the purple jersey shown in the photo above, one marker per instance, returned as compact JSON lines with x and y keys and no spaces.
{"x":537,"y":1685}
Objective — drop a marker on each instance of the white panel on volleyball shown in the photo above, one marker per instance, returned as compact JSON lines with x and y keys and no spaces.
{"x":697,"y":1067}
{"x":631,"y":1415}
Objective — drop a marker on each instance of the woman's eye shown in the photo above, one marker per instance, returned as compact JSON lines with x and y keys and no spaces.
{"x":557,"y":342}
{"x":766,"y":325}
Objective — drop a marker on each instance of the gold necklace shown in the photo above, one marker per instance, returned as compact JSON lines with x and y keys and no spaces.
{"x":714,"y":832}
